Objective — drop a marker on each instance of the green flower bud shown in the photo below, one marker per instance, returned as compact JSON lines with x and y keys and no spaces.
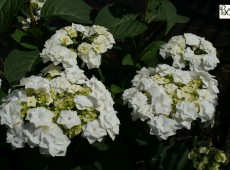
{"x":220,"y":157}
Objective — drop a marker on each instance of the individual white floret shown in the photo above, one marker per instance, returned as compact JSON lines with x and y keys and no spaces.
{"x":10,"y":114}
{"x":162,"y":126}
{"x":60,"y":84}
{"x":93,"y":131}
{"x":40,"y":116}
{"x":100,"y":98}
{"x":53,"y":141}
{"x":74,"y":75}
{"x":110,"y":123}
{"x":14,"y":136}
{"x":68,"y":119}
{"x":36,"y":82}
{"x":32,"y":134}
{"x":31,"y":101}
{"x":186,"y":112}
{"x":59,"y":54}
{"x":207,"y":111}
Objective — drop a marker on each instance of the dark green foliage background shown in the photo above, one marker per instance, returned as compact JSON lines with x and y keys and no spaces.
{"x":139,"y":28}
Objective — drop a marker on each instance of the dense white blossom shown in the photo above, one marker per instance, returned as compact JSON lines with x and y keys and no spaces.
{"x":59,"y":104}
{"x":170,"y":99}
{"x":190,"y":49}
{"x":71,"y":42}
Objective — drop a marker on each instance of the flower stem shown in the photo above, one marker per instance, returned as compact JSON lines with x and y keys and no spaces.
{"x":33,"y":21}
{"x":101,"y":75}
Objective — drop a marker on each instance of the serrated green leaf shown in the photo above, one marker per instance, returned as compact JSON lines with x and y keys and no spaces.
{"x":120,"y":26}
{"x":8,"y":9}
{"x":171,"y":13}
{"x":116,"y":89}
{"x":18,"y":63}
{"x":128,"y":60}
{"x":149,"y":55}
{"x":71,"y":10}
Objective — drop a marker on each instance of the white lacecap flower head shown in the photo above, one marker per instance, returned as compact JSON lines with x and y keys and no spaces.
{"x":62,"y":48}
{"x":171,"y":95}
{"x":190,"y":50}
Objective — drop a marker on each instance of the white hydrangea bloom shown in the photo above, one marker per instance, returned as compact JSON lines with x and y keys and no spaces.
{"x":68,"y":119}
{"x":166,"y":94}
{"x":87,"y":43}
{"x":50,"y":109}
{"x":192,"y":49}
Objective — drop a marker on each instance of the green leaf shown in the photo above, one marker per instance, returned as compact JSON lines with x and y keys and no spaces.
{"x":2,"y":95}
{"x":98,"y":165}
{"x":171,"y":14}
{"x":181,"y":19}
{"x":149,"y":55}
{"x":128,"y":60}
{"x":164,"y":10}
{"x":71,"y":10}
{"x":8,"y":9}
{"x":141,"y":142}
{"x":18,"y":63}
{"x":100,"y":146}
{"x":116,"y":89}
{"x":121,"y":26}
{"x":23,"y":39}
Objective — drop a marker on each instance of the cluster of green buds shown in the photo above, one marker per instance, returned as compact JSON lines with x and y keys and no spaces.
{"x":207,"y":157}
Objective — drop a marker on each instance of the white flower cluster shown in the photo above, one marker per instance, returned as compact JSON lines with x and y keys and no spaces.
{"x":36,"y":6}
{"x":51,"y":109}
{"x":190,"y":49}
{"x":170,"y":99}
{"x":70,"y":42}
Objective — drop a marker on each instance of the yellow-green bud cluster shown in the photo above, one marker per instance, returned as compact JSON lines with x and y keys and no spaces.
{"x":207,"y":157}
